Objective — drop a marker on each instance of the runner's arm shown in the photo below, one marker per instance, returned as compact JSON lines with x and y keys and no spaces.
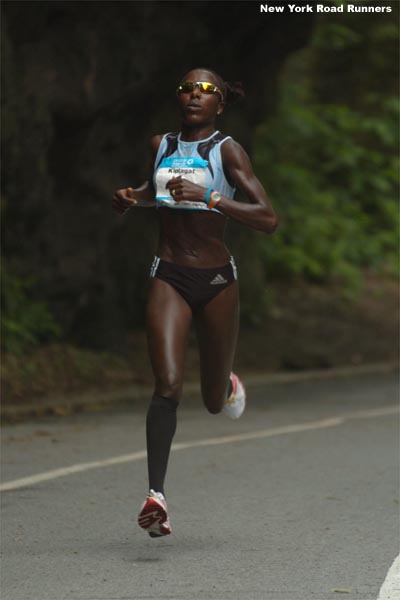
{"x":142,"y":196}
{"x":258,"y":213}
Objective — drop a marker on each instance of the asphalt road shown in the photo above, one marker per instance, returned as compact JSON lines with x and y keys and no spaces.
{"x":298,"y":500}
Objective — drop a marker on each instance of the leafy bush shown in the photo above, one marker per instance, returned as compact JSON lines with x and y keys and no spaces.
{"x":331,"y":173}
{"x":25,"y":322}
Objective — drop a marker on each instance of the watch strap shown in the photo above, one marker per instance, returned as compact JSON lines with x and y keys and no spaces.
{"x":212,"y":201}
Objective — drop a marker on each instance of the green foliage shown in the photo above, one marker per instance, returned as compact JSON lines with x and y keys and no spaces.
{"x":331,"y":173}
{"x":25,"y":322}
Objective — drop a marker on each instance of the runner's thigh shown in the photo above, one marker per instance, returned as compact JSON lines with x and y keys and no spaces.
{"x":217,"y":325}
{"x":168,"y":320}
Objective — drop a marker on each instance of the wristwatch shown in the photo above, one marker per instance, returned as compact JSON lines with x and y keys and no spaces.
{"x":213,"y":198}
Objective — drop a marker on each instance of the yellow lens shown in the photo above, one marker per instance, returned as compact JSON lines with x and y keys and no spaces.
{"x":206,"y":87}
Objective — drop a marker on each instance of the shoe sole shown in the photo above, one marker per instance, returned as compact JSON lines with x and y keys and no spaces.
{"x":152,"y":517}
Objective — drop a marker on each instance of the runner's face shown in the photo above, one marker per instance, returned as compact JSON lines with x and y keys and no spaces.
{"x":198,"y":108}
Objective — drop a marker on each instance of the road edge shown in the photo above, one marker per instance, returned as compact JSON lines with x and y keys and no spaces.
{"x":136,"y":394}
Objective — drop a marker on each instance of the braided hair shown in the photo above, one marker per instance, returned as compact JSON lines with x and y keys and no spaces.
{"x":233,"y":91}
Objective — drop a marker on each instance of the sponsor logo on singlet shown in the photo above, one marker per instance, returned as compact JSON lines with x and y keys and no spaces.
{"x":191,"y":168}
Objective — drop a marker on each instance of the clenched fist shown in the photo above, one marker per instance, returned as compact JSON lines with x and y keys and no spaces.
{"x":123,"y":200}
{"x":182,"y":189}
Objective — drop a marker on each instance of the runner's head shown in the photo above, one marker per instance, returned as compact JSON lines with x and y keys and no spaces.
{"x":203,"y":94}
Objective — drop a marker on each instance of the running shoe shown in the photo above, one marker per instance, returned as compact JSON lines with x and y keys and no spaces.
{"x":153,"y":515}
{"x":236,"y":403}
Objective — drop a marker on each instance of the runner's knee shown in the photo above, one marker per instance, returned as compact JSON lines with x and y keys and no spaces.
{"x":169,"y":385}
{"x":214,"y":399}
{"x":214,"y":402}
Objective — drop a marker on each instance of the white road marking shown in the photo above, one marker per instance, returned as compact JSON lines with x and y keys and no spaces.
{"x":390,"y":589}
{"x":227,"y":439}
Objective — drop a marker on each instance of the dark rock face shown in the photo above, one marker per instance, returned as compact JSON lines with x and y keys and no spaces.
{"x":85,"y":86}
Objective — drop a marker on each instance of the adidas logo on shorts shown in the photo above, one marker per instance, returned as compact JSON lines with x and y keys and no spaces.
{"x":218,"y":279}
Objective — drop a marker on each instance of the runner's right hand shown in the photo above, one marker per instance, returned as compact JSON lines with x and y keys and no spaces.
{"x":123,"y":200}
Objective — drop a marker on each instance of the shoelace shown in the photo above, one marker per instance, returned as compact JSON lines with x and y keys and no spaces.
{"x":231,"y":399}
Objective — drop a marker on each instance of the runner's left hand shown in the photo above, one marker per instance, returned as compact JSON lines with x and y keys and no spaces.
{"x":182,"y":189}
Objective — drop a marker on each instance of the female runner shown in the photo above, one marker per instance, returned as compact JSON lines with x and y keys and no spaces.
{"x":193,"y":177}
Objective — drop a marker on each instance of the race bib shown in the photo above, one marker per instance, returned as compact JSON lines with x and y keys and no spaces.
{"x":191,"y":168}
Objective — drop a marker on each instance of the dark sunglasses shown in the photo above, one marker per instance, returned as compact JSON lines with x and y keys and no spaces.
{"x":205,"y":87}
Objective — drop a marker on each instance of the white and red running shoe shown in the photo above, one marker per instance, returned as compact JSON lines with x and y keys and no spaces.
{"x":153,"y":515}
{"x":236,"y":403}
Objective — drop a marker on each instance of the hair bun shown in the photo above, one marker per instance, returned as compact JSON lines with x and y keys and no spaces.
{"x":233,"y":91}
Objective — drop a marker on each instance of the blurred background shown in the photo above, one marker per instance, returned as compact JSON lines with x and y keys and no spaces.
{"x":85,"y":86}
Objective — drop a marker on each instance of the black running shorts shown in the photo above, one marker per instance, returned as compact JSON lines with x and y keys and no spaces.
{"x":196,"y":286}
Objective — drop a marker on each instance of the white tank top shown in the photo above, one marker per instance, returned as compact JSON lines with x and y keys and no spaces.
{"x":199,"y":162}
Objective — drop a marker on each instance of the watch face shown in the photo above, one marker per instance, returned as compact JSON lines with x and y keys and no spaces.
{"x":215,"y":196}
